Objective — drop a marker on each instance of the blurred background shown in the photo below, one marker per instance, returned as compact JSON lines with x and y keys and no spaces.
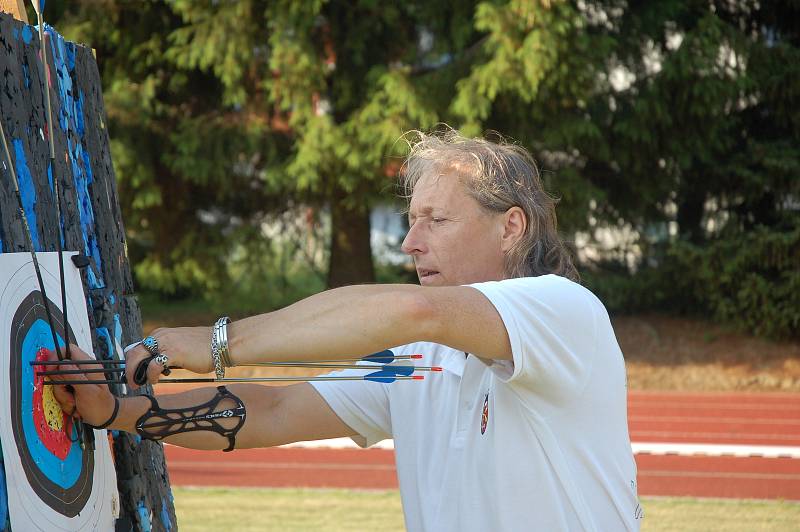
{"x":257,"y":146}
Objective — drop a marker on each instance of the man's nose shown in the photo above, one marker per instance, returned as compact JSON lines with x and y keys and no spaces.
{"x":412,"y":243}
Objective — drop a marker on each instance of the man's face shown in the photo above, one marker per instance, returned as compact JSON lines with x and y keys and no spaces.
{"x":452,"y":239}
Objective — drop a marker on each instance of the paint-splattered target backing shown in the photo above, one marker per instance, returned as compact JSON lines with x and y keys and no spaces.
{"x":53,"y":484}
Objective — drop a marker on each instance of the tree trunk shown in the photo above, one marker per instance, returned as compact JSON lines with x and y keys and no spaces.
{"x":91,"y":224}
{"x":351,"y":250}
{"x":691,"y":202}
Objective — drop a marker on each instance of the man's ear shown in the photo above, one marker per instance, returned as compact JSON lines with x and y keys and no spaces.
{"x":514,"y":225}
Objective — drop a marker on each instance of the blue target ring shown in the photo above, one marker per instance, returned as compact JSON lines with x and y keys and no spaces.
{"x":63,"y":473}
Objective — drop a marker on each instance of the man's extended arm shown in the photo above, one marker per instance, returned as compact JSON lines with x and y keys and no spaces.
{"x":359,"y":320}
{"x":347,"y":321}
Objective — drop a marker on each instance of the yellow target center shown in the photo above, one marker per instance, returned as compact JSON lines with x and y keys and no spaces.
{"x":52,"y":410}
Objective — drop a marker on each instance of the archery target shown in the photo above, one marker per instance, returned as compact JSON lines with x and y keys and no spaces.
{"x":53,"y":484}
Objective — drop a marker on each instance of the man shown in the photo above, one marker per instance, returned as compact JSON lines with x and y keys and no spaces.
{"x":525,"y":429}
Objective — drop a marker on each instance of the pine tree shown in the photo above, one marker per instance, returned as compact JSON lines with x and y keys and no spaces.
{"x":639,"y":113}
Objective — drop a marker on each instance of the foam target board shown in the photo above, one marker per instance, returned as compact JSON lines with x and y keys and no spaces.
{"x":53,"y":482}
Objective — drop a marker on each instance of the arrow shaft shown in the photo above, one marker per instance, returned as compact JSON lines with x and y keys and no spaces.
{"x":76,"y":362}
{"x":243,"y":379}
{"x":79,"y":371}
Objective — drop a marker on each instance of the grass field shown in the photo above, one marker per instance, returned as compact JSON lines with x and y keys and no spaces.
{"x":246,"y":510}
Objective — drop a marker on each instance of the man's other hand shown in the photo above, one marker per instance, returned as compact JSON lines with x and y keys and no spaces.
{"x":186,"y":347}
{"x":91,"y":403}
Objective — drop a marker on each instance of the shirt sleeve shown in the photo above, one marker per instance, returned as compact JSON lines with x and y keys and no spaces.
{"x":552,"y":329}
{"x":361,"y":405}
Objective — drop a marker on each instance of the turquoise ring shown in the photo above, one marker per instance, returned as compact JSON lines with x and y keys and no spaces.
{"x":151,"y":344}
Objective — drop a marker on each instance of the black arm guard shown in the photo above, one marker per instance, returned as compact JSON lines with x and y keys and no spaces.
{"x":158,"y":423}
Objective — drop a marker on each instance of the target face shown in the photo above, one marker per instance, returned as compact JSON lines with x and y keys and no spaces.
{"x":53,"y":484}
{"x":58,"y":470}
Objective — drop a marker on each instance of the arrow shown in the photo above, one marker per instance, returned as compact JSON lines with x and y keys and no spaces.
{"x":381,"y":357}
{"x":399,"y":370}
{"x":333,"y":364}
{"x":382,"y":376}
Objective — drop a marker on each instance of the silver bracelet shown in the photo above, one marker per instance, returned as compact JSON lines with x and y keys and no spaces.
{"x":224,"y":352}
{"x":219,"y":347}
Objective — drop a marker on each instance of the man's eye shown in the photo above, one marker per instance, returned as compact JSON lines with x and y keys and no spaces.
{"x":437,"y":220}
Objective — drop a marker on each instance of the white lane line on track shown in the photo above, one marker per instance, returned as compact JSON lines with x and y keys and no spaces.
{"x":710,"y":420}
{"x":683,"y":449}
{"x":667,"y":434}
{"x":719,"y":475}
{"x":338,"y":443}
{"x":715,"y":407}
{"x":716,"y":449}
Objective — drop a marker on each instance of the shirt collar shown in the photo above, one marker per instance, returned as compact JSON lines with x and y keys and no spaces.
{"x":454,"y":362}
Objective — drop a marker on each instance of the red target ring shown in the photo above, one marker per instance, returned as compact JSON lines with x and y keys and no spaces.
{"x":53,"y":426}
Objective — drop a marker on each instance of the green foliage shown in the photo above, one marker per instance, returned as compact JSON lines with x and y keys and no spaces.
{"x":258,"y":281}
{"x":752,"y":280}
{"x":749,"y":280}
{"x":224,"y":114}
{"x":264,"y":276}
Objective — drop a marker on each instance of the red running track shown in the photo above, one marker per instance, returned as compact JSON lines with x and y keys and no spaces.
{"x":719,"y":476}
{"x":680,"y":418}
{"x":718,"y":418}
{"x":283,"y":467}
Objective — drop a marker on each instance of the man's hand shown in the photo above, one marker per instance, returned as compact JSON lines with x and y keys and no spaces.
{"x":91,"y":403}
{"x":187,"y":348}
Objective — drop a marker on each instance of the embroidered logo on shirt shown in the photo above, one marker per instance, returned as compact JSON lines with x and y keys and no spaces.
{"x":485,"y":415}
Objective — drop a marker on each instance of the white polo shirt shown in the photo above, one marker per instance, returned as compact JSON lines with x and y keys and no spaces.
{"x":540,"y":443}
